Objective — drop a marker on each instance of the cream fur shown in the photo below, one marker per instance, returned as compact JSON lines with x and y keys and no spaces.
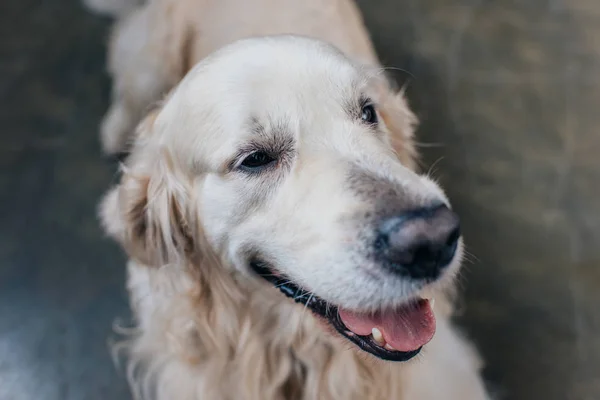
{"x":206,"y":327}
{"x":251,"y":345}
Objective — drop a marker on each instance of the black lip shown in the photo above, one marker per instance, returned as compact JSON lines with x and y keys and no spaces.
{"x":329,"y":312}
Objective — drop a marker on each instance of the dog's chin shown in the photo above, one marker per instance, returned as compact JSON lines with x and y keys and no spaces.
{"x":396,"y":334}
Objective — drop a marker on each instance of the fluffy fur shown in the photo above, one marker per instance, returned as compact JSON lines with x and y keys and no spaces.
{"x":189,"y":218}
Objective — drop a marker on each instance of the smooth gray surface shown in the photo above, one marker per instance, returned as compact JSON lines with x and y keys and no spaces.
{"x":508,"y":94}
{"x":61,"y":282}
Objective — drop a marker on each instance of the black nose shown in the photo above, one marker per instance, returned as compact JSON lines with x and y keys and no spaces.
{"x":419,"y":243}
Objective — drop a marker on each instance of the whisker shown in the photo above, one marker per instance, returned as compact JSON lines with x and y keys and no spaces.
{"x":473,"y":256}
{"x":428,"y":145}
{"x":306,"y":306}
{"x":282,"y":283}
{"x":470,"y":256}
{"x":420,"y":163}
{"x":381,"y":70}
{"x":410,"y":74}
{"x":431,"y":168}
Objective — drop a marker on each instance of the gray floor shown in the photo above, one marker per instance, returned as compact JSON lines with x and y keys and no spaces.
{"x":508,"y":93}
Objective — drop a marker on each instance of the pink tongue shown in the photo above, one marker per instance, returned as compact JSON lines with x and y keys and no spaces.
{"x":405,"y":329}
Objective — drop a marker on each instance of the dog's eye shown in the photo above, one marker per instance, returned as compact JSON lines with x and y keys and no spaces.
{"x":256,"y":161}
{"x":368,"y":114}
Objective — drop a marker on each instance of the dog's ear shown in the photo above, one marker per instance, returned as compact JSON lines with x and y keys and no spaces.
{"x":147,"y":211}
{"x":400,"y":123}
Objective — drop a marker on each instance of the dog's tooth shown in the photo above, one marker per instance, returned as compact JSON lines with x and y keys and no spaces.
{"x":377,"y":336}
{"x":432,"y":302}
{"x":388,"y":347}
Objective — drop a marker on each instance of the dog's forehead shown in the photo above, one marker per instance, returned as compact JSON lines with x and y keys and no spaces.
{"x":275,"y":80}
{"x":276,"y":69}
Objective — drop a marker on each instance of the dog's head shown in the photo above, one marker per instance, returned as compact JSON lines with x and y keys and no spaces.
{"x":295,"y":165}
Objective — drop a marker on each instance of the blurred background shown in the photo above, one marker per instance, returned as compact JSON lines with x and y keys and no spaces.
{"x":508,"y":93}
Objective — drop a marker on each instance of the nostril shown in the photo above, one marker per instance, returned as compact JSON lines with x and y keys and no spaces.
{"x":453,"y":237}
{"x":381,"y":242}
{"x":448,"y":251}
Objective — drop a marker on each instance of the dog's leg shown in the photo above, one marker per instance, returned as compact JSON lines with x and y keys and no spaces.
{"x":448,"y":369}
{"x":146,"y":56}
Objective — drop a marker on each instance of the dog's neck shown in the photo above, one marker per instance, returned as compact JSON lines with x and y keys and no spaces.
{"x":245,"y":337}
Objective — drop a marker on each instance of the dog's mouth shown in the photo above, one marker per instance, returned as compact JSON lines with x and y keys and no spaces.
{"x":395,"y":335}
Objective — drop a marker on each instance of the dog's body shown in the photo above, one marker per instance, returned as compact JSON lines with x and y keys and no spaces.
{"x":197,"y":205}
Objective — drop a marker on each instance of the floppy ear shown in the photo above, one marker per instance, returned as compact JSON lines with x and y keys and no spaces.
{"x":146,"y":212}
{"x":401,"y":123}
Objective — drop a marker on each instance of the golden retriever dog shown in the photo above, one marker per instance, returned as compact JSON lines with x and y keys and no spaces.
{"x":281,"y":244}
